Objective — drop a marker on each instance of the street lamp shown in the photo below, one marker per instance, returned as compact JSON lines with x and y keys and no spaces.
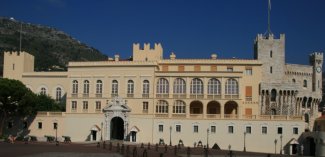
{"x":245,"y":141}
{"x":170,"y":135}
{"x":275,"y":141}
{"x":208,"y":138}
{"x":56,"y":133}
{"x":281,"y":144}
{"x":101,"y":132}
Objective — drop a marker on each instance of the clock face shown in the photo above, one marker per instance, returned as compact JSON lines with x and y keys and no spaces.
{"x":318,"y":69}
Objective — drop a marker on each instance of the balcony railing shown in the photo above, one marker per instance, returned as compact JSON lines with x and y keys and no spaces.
{"x":145,"y":95}
{"x":179,"y":96}
{"x":213,"y":97}
{"x":213,"y":116}
{"x":178,"y":115}
{"x":196,"y":115}
{"x":196,"y":96}
{"x":231,"y":96}
{"x":162,"y":115}
{"x":99,"y":95}
{"x":230,"y":116}
{"x":162,"y":95}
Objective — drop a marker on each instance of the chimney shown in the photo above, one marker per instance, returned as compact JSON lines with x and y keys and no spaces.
{"x":172,"y":56}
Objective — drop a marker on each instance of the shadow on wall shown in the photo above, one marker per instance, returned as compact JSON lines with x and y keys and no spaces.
{"x":18,"y":127}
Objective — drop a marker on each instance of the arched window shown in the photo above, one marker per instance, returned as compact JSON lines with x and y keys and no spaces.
{"x":162,"y":86}
{"x":130,"y":87}
{"x":273,"y":95}
{"x":114,"y":87}
{"x":74,"y":86}
{"x":231,"y":87}
{"x":58,"y":94}
{"x":293,"y":80}
{"x":179,"y":86}
{"x":305,"y":83}
{"x":86,"y":87}
{"x":214,"y":87}
{"x":43,"y":91}
{"x":99,"y":87}
{"x":145,"y":87}
{"x":162,"y":107}
{"x":196,"y":86}
{"x":179,"y":106}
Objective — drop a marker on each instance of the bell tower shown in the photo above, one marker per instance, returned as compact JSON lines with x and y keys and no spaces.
{"x":316,"y":60}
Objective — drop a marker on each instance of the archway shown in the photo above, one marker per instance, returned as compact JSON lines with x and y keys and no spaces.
{"x":196,"y":107}
{"x":213,"y":107}
{"x":231,"y":107}
{"x":117,"y":128}
{"x":310,"y":146}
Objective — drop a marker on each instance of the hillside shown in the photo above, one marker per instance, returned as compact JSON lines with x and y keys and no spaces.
{"x":52,"y":48}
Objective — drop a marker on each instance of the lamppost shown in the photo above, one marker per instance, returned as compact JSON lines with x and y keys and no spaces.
{"x":101,"y":132}
{"x":245,"y":141}
{"x":208,"y":138}
{"x":275,"y":141}
{"x":170,"y":136}
{"x":281,"y":144}
{"x":56,"y":134}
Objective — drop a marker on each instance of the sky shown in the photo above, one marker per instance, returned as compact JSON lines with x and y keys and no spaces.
{"x":189,"y":28}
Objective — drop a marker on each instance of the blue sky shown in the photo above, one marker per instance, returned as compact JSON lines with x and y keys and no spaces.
{"x":190,"y":28}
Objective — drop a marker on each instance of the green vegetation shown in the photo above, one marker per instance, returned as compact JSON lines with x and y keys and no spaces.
{"x":53,"y":49}
{"x":16,"y":100}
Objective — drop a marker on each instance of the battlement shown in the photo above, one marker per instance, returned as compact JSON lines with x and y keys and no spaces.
{"x":270,"y":37}
{"x":16,"y":63}
{"x":316,"y":57}
{"x":15,"y":53}
{"x":147,"y":53}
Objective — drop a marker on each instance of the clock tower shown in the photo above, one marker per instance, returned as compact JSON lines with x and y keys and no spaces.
{"x":316,"y":60}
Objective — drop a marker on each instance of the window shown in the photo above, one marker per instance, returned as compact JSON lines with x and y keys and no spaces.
{"x":85,"y":105}
{"x":295,"y":130}
{"x":214,"y":87}
{"x":162,"y":86}
{"x":264,"y":130}
{"x":58,"y":94}
{"x":293,"y":80}
{"x":99,"y":87}
{"x":195,"y":128}
{"x":145,"y":106}
{"x":130,"y":87}
{"x":213,"y":129}
{"x":230,"y":69}
{"x":55,"y":125}
{"x":305,"y":83}
{"x":74,"y":105}
{"x":271,"y":70}
{"x":13,"y":66}
{"x":114,"y":87}
{"x":145,"y":87}
{"x":39,"y":126}
{"x":271,"y":53}
{"x":181,"y":68}
{"x":273,"y":95}
{"x":231,"y":87}
{"x":230,"y":129}
{"x":86,"y":87}
{"x":178,"y":128}
{"x":249,"y":71}
{"x":98,"y":105}
{"x":248,"y":93}
{"x":75,"y":87}
{"x":196,"y":86}
{"x":10,"y":124}
{"x":179,"y":86}
{"x":248,"y":129}
{"x":162,"y":107}
{"x":280,"y":130}
{"x":197,"y":68}
{"x":43,"y":91}
{"x":179,"y":106}
{"x":161,"y":128}
{"x":25,"y":125}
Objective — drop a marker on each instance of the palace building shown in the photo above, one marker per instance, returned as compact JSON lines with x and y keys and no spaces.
{"x":228,"y":102}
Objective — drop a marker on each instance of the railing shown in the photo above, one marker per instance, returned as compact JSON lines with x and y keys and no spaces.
{"x":145,"y":95}
{"x":99,"y":95}
{"x":179,"y":96}
{"x":85,"y":95}
{"x":179,"y":115}
{"x":196,"y":96}
{"x":213,"y":116}
{"x":164,"y":115}
{"x":74,"y":95}
{"x":162,"y":95}
{"x":231,"y":96}
{"x":196,"y":115}
{"x":230,"y":116}
{"x":130,"y":95}
{"x":213,"y":97}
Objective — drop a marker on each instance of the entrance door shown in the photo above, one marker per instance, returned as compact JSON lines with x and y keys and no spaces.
{"x":133,"y":136}
{"x":94,"y":135}
{"x":294,"y":149}
{"x":117,"y":128}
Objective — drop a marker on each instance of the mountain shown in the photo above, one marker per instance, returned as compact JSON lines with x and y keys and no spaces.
{"x":52,"y":48}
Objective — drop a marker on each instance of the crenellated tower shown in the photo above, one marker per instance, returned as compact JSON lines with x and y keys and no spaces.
{"x":316,"y":60}
{"x":147,"y":53}
{"x":16,"y":63}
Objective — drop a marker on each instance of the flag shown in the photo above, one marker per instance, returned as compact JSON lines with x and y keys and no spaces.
{"x":269,"y":4}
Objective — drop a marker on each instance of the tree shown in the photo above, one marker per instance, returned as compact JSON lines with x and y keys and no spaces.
{"x":15,"y":99}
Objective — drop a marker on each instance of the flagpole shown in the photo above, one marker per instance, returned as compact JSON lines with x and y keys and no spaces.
{"x":21,"y":27}
{"x":269,"y":19}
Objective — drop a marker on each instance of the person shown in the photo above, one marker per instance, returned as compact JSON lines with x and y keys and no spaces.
{"x":11,"y":139}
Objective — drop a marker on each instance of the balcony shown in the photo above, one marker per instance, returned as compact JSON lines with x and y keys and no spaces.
{"x":99,"y":95}
{"x":232,"y":96}
{"x":213,"y":116}
{"x":196,"y":116}
{"x":230,"y":116}
{"x":85,"y":95}
{"x":179,"y":96}
{"x":214,"y":97}
{"x":196,"y":96}
{"x":74,"y":95}
{"x":179,"y":115}
{"x":161,"y":115}
{"x":130,"y":95}
{"x":162,"y":95}
{"x":145,"y":95}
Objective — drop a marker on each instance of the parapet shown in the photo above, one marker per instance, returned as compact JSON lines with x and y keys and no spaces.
{"x":269,"y":37}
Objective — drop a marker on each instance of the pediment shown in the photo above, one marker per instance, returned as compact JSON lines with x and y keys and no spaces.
{"x":117,"y":104}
